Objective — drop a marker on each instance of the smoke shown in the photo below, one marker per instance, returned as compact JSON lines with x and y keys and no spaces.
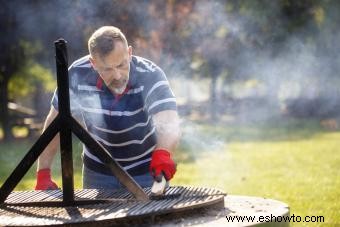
{"x":282,"y":64}
{"x":270,"y":71}
{"x":197,"y":139}
{"x":257,"y":61}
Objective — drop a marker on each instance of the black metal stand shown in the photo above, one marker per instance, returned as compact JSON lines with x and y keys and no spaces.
{"x":65,"y":124}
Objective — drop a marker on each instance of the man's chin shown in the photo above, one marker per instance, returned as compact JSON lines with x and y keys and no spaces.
{"x":118,"y":91}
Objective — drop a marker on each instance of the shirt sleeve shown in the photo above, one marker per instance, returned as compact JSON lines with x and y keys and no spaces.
{"x":159,"y":96}
{"x":74,"y":103}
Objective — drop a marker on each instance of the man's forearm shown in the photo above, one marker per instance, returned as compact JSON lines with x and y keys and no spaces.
{"x":167,"y":141}
{"x":46,"y":158}
{"x":167,"y":130}
{"x":168,"y":134}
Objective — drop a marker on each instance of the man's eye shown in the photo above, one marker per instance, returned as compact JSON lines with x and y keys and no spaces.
{"x":121,"y":65}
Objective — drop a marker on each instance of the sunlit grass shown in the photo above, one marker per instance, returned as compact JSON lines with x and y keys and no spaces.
{"x":12,"y":153}
{"x":304,"y":173}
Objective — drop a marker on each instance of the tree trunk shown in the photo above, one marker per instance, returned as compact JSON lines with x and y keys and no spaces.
{"x":4,"y":113}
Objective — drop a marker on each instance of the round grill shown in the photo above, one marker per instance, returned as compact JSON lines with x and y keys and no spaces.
{"x":107,"y":207}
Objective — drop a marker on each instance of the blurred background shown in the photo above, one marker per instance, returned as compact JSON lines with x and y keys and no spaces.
{"x":257,"y":84}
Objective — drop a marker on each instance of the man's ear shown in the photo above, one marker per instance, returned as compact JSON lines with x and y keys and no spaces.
{"x":130,"y":52}
{"x":93,"y":63}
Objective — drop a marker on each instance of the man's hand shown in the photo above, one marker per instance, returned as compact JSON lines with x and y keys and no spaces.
{"x":161,"y":162}
{"x":44,"y":181}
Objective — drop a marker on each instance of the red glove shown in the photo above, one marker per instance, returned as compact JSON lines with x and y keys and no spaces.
{"x":44,"y":181}
{"x":161,"y":162}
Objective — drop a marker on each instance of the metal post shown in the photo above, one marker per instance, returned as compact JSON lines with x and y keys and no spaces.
{"x":65,"y":118}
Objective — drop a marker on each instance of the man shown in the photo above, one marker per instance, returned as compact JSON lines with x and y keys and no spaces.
{"x":126,"y":104}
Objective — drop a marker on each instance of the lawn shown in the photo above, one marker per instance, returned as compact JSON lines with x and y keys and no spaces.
{"x":296,"y":162}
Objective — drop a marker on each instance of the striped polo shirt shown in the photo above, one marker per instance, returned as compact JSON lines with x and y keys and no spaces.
{"x":122,"y":124}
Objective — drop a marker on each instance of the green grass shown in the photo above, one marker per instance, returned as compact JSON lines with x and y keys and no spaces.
{"x":293,"y":161}
{"x":298,"y":165}
{"x":11,"y":154}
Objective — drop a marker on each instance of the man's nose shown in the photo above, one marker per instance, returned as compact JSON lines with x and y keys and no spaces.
{"x":116,"y":75}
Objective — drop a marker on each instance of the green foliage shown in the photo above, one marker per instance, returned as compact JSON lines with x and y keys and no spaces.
{"x":24,"y":82}
{"x":31,"y":74}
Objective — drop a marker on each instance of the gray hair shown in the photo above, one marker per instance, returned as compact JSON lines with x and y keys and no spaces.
{"x":102,"y":41}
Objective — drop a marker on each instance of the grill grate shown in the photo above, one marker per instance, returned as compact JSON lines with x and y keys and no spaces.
{"x":20,"y":208}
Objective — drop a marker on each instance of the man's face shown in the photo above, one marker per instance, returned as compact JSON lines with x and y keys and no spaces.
{"x":114,"y":68}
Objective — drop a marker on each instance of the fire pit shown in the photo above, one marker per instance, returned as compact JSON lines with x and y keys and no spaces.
{"x":184,"y":206}
{"x":32,"y":208}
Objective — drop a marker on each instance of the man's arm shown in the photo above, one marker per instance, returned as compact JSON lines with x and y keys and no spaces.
{"x":168,"y":134}
{"x":44,"y":180}
{"x":46,"y":158}
{"x":167,"y":129}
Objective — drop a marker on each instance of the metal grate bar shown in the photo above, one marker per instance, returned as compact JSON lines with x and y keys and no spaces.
{"x":55,"y":195}
{"x":40,"y":196}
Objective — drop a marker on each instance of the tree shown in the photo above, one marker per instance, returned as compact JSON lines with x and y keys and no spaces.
{"x":10,"y":61}
{"x":20,"y":74}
